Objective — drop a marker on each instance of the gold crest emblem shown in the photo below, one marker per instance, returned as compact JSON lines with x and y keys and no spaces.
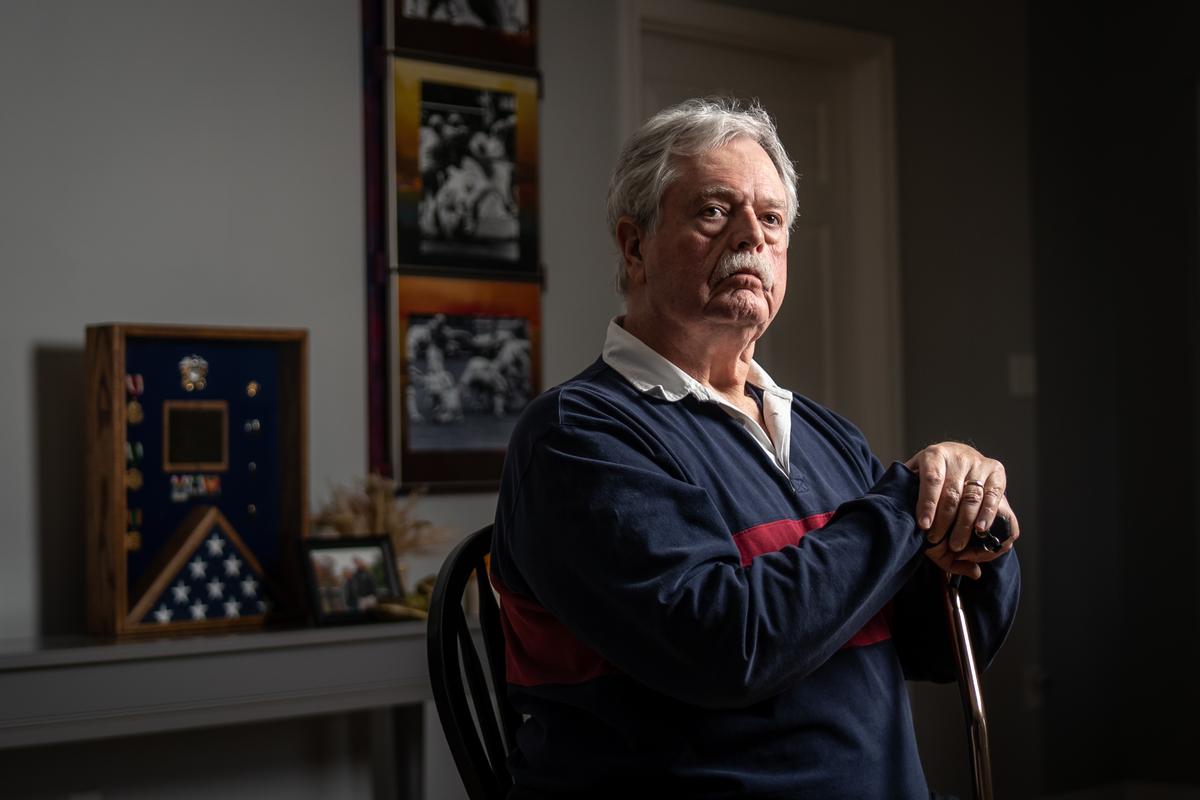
{"x":193,"y":373}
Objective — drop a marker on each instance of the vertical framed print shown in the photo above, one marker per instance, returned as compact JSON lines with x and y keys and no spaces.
{"x":503,"y":31}
{"x":469,"y":355}
{"x":465,"y":145}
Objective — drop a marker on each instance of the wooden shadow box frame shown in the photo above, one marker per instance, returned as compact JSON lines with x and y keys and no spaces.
{"x":110,"y":609}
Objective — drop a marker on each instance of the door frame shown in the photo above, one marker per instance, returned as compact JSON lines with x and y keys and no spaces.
{"x":869,"y":348}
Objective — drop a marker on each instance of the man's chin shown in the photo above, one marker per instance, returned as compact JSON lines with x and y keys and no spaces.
{"x":742,"y":306}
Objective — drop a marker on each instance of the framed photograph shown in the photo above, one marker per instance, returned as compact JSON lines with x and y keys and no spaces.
{"x":465,"y":157}
{"x":503,"y":31}
{"x":468,"y":366}
{"x":348,"y":578}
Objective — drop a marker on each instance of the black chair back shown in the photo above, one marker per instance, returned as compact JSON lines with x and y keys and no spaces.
{"x":469,"y":686}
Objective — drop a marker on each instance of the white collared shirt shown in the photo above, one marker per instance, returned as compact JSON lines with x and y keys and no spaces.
{"x":654,"y":375}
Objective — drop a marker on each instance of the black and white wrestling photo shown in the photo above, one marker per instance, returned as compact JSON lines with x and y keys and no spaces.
{"x":469,"y":377}
{"x":469,"y":206}
{"x":509,"y":16}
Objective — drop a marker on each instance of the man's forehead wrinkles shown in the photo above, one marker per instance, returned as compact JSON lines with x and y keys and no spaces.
{"x":718,"y":190}
{"x":723,"y":192}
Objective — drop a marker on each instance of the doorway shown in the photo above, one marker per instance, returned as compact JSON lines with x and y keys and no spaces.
{"x":837,"y":336}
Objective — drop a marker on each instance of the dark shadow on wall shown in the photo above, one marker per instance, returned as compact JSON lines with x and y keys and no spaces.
{"x":1115,"y":207}
{"x":59,"y":380}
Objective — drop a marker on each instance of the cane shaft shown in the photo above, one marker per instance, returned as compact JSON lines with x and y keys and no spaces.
{"x":971,"y":692}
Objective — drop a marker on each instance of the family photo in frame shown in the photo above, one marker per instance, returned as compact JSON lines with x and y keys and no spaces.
{"x":348,"y":578}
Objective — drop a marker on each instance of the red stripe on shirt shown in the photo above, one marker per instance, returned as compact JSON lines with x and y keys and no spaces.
{"x":876,"y":630}
{"x":772,"y":536}
{"x":539,"y":649}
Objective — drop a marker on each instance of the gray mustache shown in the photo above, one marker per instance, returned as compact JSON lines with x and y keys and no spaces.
{"x":743,"y":261}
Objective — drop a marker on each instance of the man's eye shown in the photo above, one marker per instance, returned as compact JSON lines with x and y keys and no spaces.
{"x":772,"y":219}
{"x":712,"y":212}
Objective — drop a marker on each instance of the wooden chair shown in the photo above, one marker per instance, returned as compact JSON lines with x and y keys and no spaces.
{"x":469,"y":686}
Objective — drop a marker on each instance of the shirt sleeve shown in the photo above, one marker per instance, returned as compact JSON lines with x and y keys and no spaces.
{"x":642,"y":568}
{"x":920,"y":627}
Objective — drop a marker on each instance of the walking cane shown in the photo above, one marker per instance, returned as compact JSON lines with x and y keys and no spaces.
{"x":969,"y":686}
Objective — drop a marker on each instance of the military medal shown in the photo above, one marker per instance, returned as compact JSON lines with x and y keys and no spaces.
{"x":134,"y":386}
{"x":133,"y":479}
{"x":193,"y":373}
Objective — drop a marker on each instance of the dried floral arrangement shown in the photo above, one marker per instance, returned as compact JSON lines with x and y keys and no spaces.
{"x":372,"y":509}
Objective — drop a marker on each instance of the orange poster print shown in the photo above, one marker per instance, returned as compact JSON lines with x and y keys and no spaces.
{"x":469,"y":365}
{"x":465,"y":145}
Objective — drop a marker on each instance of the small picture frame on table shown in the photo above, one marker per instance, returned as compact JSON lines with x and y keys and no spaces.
{"x":469,"y":355}
{"x":503,"y":31}
{"x":349,"y":577}
{"x":465,"y":160}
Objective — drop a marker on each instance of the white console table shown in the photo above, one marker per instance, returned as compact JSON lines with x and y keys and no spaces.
{"x":72,"y":689}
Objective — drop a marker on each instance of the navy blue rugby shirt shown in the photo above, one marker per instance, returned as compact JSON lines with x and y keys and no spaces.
{"x":694,"y":609}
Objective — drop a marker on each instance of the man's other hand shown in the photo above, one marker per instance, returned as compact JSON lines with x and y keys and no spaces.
{"x":967,"y":561}
{"x":962,"y":491}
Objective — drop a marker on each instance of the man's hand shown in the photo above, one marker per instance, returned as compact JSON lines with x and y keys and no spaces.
{"x":962,"y":491}
{"x":967,"y":562}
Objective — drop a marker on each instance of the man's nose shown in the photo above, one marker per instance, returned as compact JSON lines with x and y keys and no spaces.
{"x":748,"y":235}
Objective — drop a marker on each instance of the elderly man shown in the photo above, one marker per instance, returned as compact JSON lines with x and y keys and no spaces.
{"x":711,"y":587}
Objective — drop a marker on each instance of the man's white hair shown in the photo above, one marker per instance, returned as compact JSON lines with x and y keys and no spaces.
{"x":647,"y":165}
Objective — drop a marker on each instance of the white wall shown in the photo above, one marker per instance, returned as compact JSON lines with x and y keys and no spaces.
{"x":167,"y":162}
{"x":171,"y":161}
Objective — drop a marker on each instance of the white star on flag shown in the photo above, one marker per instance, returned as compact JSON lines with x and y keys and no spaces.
{"x":163,"y":614}
{"x":215,"y":589}
{"x":216,"y":545}
{"x":181,"y":590}
{"x":232,"y":609}
{"x":198,"y":610}
{"x":197,"y":566}
{"x":233,"y":566}
{"x":249,"y":586}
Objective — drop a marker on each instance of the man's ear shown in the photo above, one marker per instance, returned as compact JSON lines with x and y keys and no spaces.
{"x":629,"y":239}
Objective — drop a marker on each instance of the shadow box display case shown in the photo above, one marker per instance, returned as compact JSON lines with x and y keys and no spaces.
{"x":196,"y":477}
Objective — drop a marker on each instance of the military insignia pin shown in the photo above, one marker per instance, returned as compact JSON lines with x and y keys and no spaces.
{"x":193,"y":372}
